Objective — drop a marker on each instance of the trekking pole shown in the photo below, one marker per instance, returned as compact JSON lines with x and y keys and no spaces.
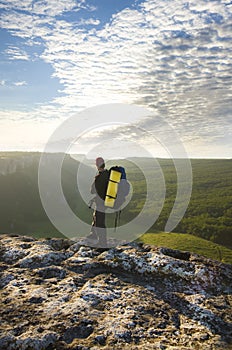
{"x":119,"y":215}
{"x":117,"y":219}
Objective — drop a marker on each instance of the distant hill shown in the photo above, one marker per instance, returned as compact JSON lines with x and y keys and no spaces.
{"x":209,"y":214}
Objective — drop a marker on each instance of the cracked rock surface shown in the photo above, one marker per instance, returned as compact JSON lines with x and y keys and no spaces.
{"x":59,"y":294}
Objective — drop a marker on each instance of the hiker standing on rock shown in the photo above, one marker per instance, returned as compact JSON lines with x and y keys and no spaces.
{"x":99,"y":187}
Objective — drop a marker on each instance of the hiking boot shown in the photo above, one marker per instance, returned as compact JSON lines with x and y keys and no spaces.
{"x":92,"y":237}
{"x":102,"y":244}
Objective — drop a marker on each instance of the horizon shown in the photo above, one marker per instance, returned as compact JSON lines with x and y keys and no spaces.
{"x":83,"y":155}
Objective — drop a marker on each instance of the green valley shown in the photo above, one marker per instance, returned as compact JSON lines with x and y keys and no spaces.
{"x":208,"y":216}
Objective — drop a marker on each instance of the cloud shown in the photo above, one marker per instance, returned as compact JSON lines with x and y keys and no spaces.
{"x":20,"y":83}
{"x":172,"y":57}
{"x":43,"y":7}
{"x":15,"y":53}
{"x":89,"y":21}
{"x":19,"y":133}
{"x":8,"y":84}
{"x":13,"y":116}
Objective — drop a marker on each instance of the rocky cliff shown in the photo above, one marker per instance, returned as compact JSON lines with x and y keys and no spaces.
{"x":9,"y":165}
{"x":57,"y":294}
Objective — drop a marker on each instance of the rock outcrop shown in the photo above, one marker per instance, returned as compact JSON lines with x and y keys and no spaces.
{"x":58,"y":294}
{"x":9,"y":164}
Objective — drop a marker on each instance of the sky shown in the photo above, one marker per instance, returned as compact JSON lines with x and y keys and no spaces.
{"x":172,"y":57}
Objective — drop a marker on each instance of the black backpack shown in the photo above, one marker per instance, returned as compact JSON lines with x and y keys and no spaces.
{"x":101,"y":183}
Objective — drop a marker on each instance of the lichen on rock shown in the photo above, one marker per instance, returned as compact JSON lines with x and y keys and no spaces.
{"x":59,"y":294}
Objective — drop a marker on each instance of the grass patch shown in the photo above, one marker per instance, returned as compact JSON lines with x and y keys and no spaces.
{"x":187,"y":242}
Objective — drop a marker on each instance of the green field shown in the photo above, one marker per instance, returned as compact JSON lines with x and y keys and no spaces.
{"x":209,"y":213}
{"x":190,"y":243}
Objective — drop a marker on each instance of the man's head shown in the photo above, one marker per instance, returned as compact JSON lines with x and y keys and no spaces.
{"x":100,"y":163}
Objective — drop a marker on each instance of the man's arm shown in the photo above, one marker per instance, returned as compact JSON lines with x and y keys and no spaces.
{"x":93,"y":188}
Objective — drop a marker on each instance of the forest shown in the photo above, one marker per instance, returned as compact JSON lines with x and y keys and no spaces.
{"x":209,"y":213}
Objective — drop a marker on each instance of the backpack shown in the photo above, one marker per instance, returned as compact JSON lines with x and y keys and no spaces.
{"x":101,"y":183}
{"x":118,"y":188}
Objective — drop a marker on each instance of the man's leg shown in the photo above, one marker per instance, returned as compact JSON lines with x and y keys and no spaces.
{"x":93,"y":232}
{"x":101,"y":228}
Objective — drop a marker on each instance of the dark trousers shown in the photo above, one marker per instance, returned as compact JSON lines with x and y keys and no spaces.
{"x":99,"y":227}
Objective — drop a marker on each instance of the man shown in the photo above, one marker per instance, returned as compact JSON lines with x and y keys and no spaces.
{"x":99,"y":187}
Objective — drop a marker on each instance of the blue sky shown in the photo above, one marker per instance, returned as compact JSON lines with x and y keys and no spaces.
{"x":172,"y":57}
